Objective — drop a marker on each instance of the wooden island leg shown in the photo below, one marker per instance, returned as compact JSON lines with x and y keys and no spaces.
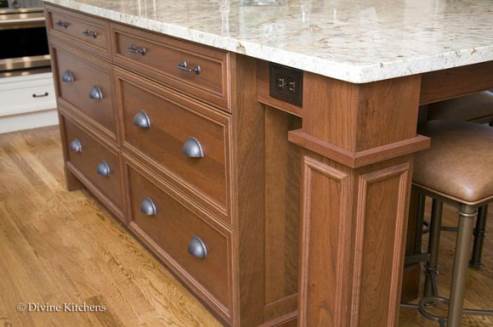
{"x":358,"y":143}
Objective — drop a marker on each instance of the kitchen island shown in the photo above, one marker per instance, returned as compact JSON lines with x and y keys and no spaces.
{"x":234,"y":139}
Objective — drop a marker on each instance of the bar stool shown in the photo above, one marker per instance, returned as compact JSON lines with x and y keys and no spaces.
{"x":456,"y":170}
{"x":476,"y":108}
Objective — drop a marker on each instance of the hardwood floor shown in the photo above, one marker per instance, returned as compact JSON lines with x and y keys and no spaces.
{"x":62,"y":247}
{"x":479,"y":287}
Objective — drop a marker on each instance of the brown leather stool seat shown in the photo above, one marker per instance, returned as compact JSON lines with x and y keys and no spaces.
{"x":476,"y":107}
{"x":459,"y":165}
{"x":458,"y":169}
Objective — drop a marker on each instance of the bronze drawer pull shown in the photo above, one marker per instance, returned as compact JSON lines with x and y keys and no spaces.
{"x":42,"y":95}
{"x":76,"y":146}
{"x":142,"y":120}
{"x":133,"y":49}
{"x":197,"y":248}
{"x":63,"y":24}
{"x":148,"y":207}
{"x":186,"y":67}
{"x":193,"y":149}
{"x":96,"y":93}
{"x":90,"y":33}
{"x":103,"y":169}
{"x":68,"y":77}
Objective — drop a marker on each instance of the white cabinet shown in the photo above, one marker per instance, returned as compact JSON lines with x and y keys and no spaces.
{"x":27,"y":102}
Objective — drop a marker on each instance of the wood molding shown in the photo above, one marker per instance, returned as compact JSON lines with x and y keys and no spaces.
{"x":365,"y":282}
{"x":360,"y":158}
{"x":318,"y":179}
{"x":287,"y":320}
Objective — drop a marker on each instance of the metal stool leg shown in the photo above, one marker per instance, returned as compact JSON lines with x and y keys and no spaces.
{"x":431,"y":270}
{"x":467,"y":214}
{"x":479,"y":233}
{"x":420,"y":208}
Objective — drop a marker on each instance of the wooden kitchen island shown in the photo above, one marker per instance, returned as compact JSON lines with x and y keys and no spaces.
{"x":263,"y":153}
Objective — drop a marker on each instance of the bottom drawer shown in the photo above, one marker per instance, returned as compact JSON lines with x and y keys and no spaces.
{"x":199,"y":252}
{"x":26,"y":94}
{"x":94,"y":161}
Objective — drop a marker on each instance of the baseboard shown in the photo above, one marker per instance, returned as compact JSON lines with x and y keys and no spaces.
{"x":28,"y":121}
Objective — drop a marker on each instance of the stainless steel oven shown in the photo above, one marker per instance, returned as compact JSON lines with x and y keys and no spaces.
{"x":24,"y":47}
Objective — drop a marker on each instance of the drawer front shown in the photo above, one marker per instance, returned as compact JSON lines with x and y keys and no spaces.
{"x":199,"y":71}
{"x":200,"y":249}
{"x":187,"y":139}
{"x":86,"y":85}
{"x":90,"y":31}
{"x":27,"y":95}
{"x":95,"y":161}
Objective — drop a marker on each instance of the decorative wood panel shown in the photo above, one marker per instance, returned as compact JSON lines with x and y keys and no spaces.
{"x":325,"y":219}
{"x":380,"y":223}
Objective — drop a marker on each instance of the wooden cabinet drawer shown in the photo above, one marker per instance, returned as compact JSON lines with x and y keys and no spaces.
{"x":88,"y":31}
{"x":197,"y":250}
{"x":96,"y":162}
{"x":176,"y":125}
{"x":199,"y":71}
{"x":85,"y":84}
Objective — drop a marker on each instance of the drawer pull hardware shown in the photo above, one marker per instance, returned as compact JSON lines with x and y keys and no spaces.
{"x":148,"y":207}
{"x":63,"y":24}
{"x":90,"y":33}
{"x":197,"y":248}
{"x":186,"y":67}
{"x":193,"y":149}
{"x":76,"y":146}
{"x":133,"y":49}
{"x":68,"y":77}
{"x":103,"y":169}
{"x":96,"y":93}
{"x":142,"y":120}
{"x":42,"y":95}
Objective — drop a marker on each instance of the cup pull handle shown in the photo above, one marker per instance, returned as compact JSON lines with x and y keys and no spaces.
{"x":193,"y":149}
{"x":96,"y":93}
{"x":142,"y":120}
{"x":103,"y":169}
{"x":197,"y":248}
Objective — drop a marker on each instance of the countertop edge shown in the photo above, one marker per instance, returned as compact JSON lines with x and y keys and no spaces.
{"x":352,"y":73}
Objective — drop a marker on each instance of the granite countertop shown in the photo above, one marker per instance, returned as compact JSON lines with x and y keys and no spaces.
{"x":357,"y":41}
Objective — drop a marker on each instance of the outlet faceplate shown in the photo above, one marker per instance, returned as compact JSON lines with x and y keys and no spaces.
{"x":286,"y":84}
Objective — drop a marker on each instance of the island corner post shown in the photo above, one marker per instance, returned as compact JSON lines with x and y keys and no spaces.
{"x":358,"y":142}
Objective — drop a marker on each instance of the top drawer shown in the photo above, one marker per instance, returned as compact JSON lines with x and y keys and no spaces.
{"x":199,"y":71}
{"x":91,"y":31}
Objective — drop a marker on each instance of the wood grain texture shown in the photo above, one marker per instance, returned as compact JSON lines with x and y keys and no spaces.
{"x":455,"y":82}
{"x":85,"y":162}
{"x":282,"y":200}
{"x":174,"y":119}
{"x":78,"y":24}
{"x":88,"y":72}
{"x":59,"y":246}
{"x":353,"y":217}
{"x":162,"y":56}
{"x":169,"y":233}
{"x":379,"y":243}
{"x":325,"y":241}
{"x":248,"y":207}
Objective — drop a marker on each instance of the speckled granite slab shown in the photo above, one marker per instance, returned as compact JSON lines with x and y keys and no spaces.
{"x":357,"y":41}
